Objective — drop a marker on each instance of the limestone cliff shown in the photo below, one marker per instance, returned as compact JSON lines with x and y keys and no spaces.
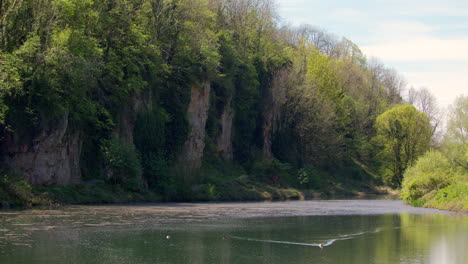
{"x":197,"y":115}
{"x":128,"y":115}
{"x":51,"y":158}
{"x":224,"y":141}
{"x":274,"y":100}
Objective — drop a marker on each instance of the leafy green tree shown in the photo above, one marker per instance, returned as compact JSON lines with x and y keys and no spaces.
{"x":10,"y":81}
{"x":457,"y":126}
{"x":405,"y":134}
{"x":455,"y":142}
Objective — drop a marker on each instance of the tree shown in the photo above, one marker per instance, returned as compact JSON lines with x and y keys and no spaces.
{"x":323,"y":41}
{"x":456,"y":138}
{"x":457,"y":127}
{"x":426,"y":102}
{"x":346,"y":50}
{"x":405,"y":134}
{"x":387,"y":80}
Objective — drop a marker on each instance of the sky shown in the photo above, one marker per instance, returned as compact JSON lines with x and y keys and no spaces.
{"x":426,"y":41}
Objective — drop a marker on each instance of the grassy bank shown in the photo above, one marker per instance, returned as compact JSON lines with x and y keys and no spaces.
{"x":436,"y":182}
{"x":236,"y":190}
{"x":241,"y":189}
{"x":452,"y":198}
{"x":265,"y":181}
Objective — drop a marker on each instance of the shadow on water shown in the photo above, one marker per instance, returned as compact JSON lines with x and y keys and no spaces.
{"x":288,"y":232}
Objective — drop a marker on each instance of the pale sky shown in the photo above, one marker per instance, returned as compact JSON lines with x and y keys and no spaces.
{"x":426,"y":41}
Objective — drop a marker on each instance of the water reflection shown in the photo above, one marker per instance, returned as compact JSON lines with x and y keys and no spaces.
{"x":235,"y":233}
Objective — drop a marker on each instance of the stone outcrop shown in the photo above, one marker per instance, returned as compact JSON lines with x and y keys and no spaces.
{"x":128,"y":115}
{"x":273,"y":102}
{"x":51,"y":158}
{"x":224,"y":141}
{"x":197,"y":115}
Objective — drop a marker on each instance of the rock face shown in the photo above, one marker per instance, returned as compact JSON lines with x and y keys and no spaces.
{"x":197,"y":114}
{"x":224,"y":141}
{"x":273,"y":103}
{"x":128,"y":115}
{"x":51,"y":158}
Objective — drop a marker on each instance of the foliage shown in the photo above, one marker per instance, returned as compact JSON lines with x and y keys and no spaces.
{"x":150,"y":135}
{"x":310,"y":177}
{"x":455,"y":142}
{"x":245,"y":120}
{"x":10,"y":80}
{"x":457,"y":126}
{"x":439,"y":179}
{"x":434,"y":181}
{"x":431,"y":172}
{"x":15,"y":191}
{"x":404,"y":134}
{"x":94,"y":193}
{"x":453,"y":197}
{"x":271,"y":172}
{"x":123,"y":164}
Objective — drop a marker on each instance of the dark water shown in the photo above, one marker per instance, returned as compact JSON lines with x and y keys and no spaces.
{"x":351,"y":231}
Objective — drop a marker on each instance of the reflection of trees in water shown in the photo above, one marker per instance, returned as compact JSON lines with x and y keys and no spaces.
{"x":390,"y":238}
{"x":444,"y":237}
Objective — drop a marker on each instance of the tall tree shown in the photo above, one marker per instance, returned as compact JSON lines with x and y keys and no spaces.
{"x":456,"y":138}
{"x":405,"y":134}
{"x":426,"y":102}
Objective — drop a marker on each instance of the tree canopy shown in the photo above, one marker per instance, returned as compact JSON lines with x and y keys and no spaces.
{"x":405,"y":134}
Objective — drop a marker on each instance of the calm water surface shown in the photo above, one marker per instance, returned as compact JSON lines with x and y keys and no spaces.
{"x":352,"y":231}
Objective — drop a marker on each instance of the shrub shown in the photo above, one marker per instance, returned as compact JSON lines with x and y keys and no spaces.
{"x":271,"y":172}
{"x":150,"y":140}
{"x":15,"y":191}
{"x":431,"y":172}
{"x":310,"y":177}
{"x":157,"y":172}
{"x":123,"y":164}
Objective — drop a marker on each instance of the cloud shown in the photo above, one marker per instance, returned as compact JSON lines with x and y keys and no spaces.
{"x":414,"y":41}
{"x":348,"y":15}
{"x":405,"y":27}
{"x":445,"y":85}
{"x":425,"y":8}
{"x":295,"y":6}
{"x":434,"y":11}
{"x":422,"y":49}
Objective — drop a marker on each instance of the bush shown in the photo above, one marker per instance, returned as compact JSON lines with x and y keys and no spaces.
{"x":310,"y":177}
{"x":431,"y":172}
{"x":272,"y":172}
{"x":15,"y":191}
{"x":94,"y":193}
{"x":123,"y":164}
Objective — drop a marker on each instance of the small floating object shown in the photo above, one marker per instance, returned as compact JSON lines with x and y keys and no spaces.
{"x":168,"y":237}
{"x":321,"y":245}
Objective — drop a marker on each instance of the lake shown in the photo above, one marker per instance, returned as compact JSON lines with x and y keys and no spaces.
{"x":350,"y":231}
